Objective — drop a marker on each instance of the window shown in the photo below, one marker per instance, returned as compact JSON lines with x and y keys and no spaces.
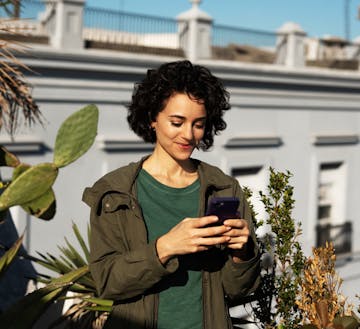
{"x":253,"y":177}
{"x":331,"y":221}
{"x":331,"y":193}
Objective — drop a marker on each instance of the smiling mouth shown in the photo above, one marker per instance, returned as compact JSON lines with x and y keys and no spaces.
{"x":185,"y":146}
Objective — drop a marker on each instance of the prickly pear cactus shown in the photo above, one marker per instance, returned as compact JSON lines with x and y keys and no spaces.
{"x":29,"y":185}
{"x":76,"y":135}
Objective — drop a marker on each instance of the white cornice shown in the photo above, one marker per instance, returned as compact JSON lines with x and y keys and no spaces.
{"x":118,"y":144}
{"x":253,"y":141}
{"x":24,"y":144}
{"x":324,"y":140}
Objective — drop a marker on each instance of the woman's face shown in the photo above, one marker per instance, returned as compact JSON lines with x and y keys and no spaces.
{"x":179,"y":126}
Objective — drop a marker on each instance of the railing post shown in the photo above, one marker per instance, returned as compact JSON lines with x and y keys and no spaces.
{"x":194,"y":28}
{"x":63,"y":20}
{"x":290,"y":45}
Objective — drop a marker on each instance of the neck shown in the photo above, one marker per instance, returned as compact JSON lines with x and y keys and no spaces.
{"x":171,"y":172}
{"x":168,"y":167}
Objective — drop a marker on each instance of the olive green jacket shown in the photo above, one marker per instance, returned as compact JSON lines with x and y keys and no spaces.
{"x":125,"y":265}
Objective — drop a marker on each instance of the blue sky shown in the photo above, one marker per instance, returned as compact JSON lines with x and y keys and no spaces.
{"x":316,"y":17}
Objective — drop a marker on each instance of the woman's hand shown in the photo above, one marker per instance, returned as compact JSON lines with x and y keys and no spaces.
{"x":192,"y":235}
{"x":239,"y":234}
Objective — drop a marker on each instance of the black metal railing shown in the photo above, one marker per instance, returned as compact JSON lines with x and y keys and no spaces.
{"x":340,"y":235}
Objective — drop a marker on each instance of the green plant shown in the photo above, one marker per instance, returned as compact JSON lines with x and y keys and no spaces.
{"x":8,"y":257}
{"x":32,"y":306}
{"x":31,"y":186}
{"x":295,"y":289}
{"x":275,"y":305}
{"x":86,"y":311}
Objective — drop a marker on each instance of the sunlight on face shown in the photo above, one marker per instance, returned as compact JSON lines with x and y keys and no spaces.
{"x":180,"y":126}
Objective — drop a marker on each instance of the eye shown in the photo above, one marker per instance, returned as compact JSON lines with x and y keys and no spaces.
{"x":176,"y":124}
{"x":200,"y":125}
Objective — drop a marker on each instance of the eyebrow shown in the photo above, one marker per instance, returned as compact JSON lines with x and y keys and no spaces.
{"x":183,"y":118}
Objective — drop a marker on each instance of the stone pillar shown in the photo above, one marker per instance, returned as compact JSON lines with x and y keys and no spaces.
{"x":194,"y":28}
{"x":290,"y":45}
{"x":66,"y":24}
{"x":353,"y":51}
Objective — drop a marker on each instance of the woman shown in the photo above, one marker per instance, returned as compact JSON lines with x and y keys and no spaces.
{"x":153,"y":251}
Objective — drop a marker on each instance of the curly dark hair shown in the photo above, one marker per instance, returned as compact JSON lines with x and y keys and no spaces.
{"x":151,"y":94}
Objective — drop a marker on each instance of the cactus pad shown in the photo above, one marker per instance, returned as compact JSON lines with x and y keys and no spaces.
{"x":76,"y":135}
{"x":43,"y":207}
{"x":29,"y":185}
{"x":22,"y":167}
{"x":7,"y":158}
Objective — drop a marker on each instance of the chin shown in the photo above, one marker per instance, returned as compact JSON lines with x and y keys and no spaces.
{"x":183,"y":157}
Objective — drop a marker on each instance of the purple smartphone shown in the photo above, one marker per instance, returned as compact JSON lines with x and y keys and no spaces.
{"x":223,"y":207}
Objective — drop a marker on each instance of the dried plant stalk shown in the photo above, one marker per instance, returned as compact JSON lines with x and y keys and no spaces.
{"x":320,"y":298}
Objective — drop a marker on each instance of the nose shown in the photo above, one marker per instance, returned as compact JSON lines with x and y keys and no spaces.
{"x":188,"y":132}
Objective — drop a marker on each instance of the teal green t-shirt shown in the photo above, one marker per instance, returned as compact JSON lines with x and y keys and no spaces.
{"x":180,"y":294}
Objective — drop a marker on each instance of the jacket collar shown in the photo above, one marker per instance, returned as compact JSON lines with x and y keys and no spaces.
{"x":131,"y":172}
{"x":212,"y":176}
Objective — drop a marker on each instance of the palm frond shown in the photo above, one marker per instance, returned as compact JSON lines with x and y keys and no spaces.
{"x":73,"y":255}
{"x":82,"y":243}
{"x":7,"y":258}
{"x":87,"y":310}
{"x":82,"y":315}
{"x":34,"y":304}
{"x":15,"y":92}
{"x":68,"y":263}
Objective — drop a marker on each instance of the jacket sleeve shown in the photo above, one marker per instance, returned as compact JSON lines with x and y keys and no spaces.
{"x":241,"y":279}
{"x":119,"y":271}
